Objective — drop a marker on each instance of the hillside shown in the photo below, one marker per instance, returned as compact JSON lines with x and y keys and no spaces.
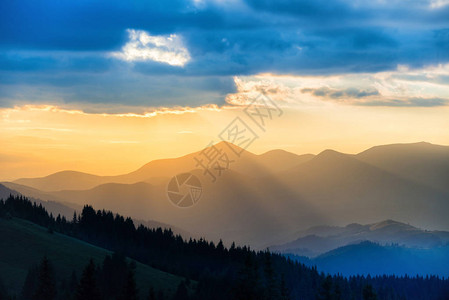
{"x":318,"y":240}
{"x":55,"y":207}
{"x":370,"y":258}
{"x":23,"y":244}
{"x":222,"y":273}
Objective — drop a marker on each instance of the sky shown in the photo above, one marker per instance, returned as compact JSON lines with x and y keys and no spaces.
{"x":106,"y":86}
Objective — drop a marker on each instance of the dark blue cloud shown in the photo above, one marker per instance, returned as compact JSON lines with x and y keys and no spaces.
{"x":63,"y":47}
{"x":353,"y":93}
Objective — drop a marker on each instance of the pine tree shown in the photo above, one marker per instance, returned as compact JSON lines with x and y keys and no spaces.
{"x":151,"y":294}
{"x":271,"y":291}
{"x":181,"y":292}
{"x":30,"y":283}
{"x":73,"y":283}
{"x":248,"y":283}
{"x":160,"y":295}
{"x":46,"y":287}
{"x":3,"y":292}
{"x":87,"y":288}
{"x":130,"y":290}
{"x":326,"y":289}
{"x":285,"y":294}
{"x":337,"y":293}
{"x":368,"y":293}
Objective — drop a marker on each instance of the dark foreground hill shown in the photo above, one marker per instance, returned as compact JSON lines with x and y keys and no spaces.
{"x":23,"y":244}
{"x":222,"y":273}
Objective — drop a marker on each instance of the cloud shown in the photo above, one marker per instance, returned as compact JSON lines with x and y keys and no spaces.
{"x":372,"y":97}
{"x":407,"y":102}
{"x":404,"y":87}
{"x":438,"y":3}
{"x":85,"y":52}
{"x":339,"y":94}
{"x":145,"y":112}
{"x":142,"y":46}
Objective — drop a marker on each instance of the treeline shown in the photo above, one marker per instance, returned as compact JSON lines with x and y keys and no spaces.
{"x":222,"y":273}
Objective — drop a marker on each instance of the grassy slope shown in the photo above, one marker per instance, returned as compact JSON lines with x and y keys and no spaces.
{"x":23,"y":244}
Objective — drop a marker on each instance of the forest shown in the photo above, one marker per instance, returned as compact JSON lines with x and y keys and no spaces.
{"x":210,"y":270}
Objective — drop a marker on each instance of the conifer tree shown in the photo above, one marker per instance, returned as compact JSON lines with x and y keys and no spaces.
{"x":151,"y":294}
{"x":87,"y":287}
{"x":3,"y":292}
{"x":46,"y":287}
{"x":285,"y":294}
{"x":130,"y":290}
{"x":181,"y":292}
{"x":30,"y":283}
{"x":326,"y":289}
{"x":368,"y":293}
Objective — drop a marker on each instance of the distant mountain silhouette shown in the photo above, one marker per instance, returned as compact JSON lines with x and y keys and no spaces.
{"x":51,"y":206}
{"x":368,"y":258}
{"x":266,"y":199}
{"x":67,"y":209}
{"x":247,"y":163}
{"x":320,"y":239}
{"x":421,"y":162}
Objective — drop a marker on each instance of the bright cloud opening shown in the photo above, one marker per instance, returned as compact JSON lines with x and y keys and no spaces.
{"x":142,"y":46}
{"x":404,"y":87}
{"x":438,"y":3}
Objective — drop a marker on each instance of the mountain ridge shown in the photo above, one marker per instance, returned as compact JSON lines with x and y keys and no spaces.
{"x":262,"y":201}
{"x":321,"y":239}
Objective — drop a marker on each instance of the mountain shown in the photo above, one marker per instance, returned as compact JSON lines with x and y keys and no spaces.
{"x":213,"y":272}
{"x":229,"y":209}
{"x":320,"y":239}
{"x":423,"y":163}
{"x":367,"y":258}
{"x":5,"y":192}
{"x":265,"y":199}
{"x":52,"y":206}
{"x":24,"y":244}
{"x":246,"y":163}
{"x":67,"y":209}
{"x":346,"y":189}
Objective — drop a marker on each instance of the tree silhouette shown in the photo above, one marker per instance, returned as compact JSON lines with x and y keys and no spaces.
{"x":285,"y":294}
{"x":271,"y":289}
{"x":368,"y":293}
{"x":129,"y":289}
{"x":220,"y":273}
{"x":326,"y":289}
{"x":46,"y":287}
{"x":181,"y":292}
{"x":29,"y":286}
{"x":87,"y":288}
{"x":248,"y":286}
{"x":151,"y":294}
{"x":3,"y":292}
